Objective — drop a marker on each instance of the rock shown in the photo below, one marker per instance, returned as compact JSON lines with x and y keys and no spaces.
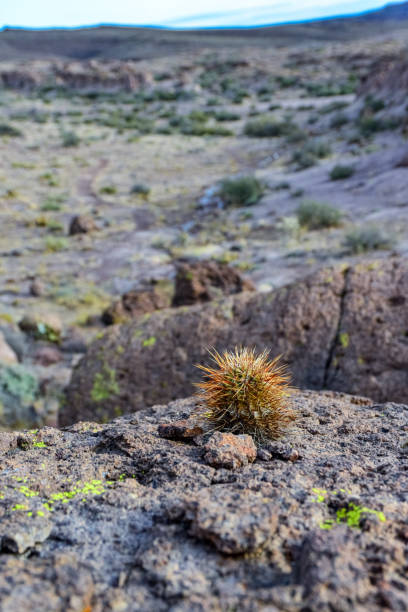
{"x":134,"y":304}
{"x":81,"y":224}
{"x":7,"y":355}
{"x":226,"y":450}
{"x":73,"y":341}
{"x":235,"y":522}
{"x":140,"y":522}
{"x":340,"y":328}
{"x":42,"y":326}
{"x":204,"y":280}
{"x":153,"y":360}
{"x":47,"y":355}
{"x":180,"y":430}
{"x":37,"y":288}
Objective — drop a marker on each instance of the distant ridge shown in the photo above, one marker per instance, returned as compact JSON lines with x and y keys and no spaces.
{"x":137,"y":43}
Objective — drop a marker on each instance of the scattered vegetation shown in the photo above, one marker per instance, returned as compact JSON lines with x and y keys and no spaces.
{"x":241,"y":191}
{"x":317,"y":215}
{"x":70,"y":139}
{"x":246,"y":393}
{"x":340,"y":172}
{"x":310,"y":154}
{"x":9,"y":130}
{"x":267,"y":127}
{"x":364,"y":239}
{"x":140,"y":189}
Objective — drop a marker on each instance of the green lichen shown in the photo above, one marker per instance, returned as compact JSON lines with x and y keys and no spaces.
{"x":350,"y":514}
{"x":344,"y":339}
{"x":149,"y":341}
{"x":105,"y":385}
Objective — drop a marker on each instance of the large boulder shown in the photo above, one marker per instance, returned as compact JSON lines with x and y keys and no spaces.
{"x":114,"y":517}
{"x":341,"y":328}
{"x":154,"y":360}
{"x":134,"y":304}
{"x":202,"y":281}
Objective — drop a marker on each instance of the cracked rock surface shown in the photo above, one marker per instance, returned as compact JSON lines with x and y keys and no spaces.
{"x":116,"y":517}
{"x":342,"y":328}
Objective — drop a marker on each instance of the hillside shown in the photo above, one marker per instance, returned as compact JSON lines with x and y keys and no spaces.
{"x":115,"y":42}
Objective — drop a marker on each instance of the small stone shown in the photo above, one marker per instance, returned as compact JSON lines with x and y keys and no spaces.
{"x":7,"y":355}
{"x":41,"y":324}
{"x":180,"y":430}
{"x":37,"y":288}
{"x":263,"y":455}
{"x":81,"y":224}
{"x":47,"y":355}
{"x":226,"y":450}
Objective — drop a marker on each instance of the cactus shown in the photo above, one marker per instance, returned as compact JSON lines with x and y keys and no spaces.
{"x":246,"y":393}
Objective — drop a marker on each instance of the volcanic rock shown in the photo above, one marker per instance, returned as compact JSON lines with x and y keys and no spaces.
{"x":202,"y":281}
{"x":344,"y":329}
{"x":115,"y":517}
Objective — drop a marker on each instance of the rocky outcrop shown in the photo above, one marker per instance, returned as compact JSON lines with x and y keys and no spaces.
{"x":81,"y":224}
{"x":134,"y":304}
{"x":344,"y":329}
{"x":115,"y":517}
{"x":153,"y":360}
{"x":388,"y":80}
{"x":84,"y":76}
{"x":203,"y":281}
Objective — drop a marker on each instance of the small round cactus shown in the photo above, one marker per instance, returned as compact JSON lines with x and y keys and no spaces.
{"x":246,"y":394}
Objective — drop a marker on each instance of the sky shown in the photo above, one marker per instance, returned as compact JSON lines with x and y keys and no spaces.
{"x":172,"y":13}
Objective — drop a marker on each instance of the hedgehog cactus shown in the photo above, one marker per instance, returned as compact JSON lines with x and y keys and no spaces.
{"x":246,"y":393}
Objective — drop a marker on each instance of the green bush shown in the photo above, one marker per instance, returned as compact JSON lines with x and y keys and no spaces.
{"x":108,"y":189}
{"x":70,"y":139}
{"x":140,"y":189}
{"x":9,"y":130}
{"x":317,"y":215}
{"x":341,"y":172}
{"x":339,"y":120}
{"x":52,"y":245}
{"x":310,"y":153}
{"x":241,"y":191}
{"x":365,"y":239}
{"x":225,"y":115}
{"x":266,"y":127}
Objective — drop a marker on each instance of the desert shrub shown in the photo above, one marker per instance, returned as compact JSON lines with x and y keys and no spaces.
{"x":225,"y":115}
{"x":282,"y":185}
{"x":140,"y":189}
{"x":199,"y":116}
{"x":52,"y":244}
{"x":52,"y":204}
{"x":339,"y":120}
{"x":370,"y":125}
{"x":332,"y":89}
{"x":213,"y":101}
{"x":273,"y":107}
{"x":374,"y":104}
{"x":266,"y":127}
{"x":108,"y":189}
{"x":340,"y":172}
{"x":9,"y":130}
{"x":70,"y":139}
{"x":296,"y":136}
{"x":333,"y":106}
{"x":241,"y":191}
{"x":364,"y":239}
{"x":317,"y":215}
{"x":287,"y":81}
{"x":310,"y":153}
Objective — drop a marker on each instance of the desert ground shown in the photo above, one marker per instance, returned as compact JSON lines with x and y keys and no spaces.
{"x":163,"y":193}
